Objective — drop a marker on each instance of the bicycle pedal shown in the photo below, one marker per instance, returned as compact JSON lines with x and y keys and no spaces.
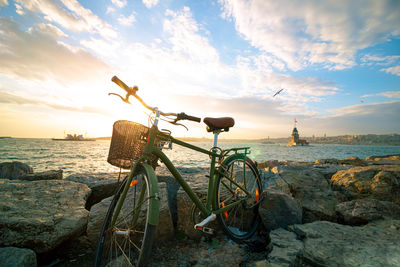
{"x":206,"y":230}
{"x":201,"y":226}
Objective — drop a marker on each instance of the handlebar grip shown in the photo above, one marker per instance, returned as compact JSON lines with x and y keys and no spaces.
{"x":183,"y":116}
{"x":192,"y":118}
{"x":129,"y":90}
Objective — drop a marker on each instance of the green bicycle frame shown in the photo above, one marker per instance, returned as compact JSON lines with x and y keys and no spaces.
{"x":152,"y":149}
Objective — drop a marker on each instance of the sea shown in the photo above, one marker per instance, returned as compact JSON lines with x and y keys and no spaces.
{"x":91,"y":156}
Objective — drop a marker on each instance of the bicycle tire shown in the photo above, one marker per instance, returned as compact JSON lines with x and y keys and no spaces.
{"x":241,"y":221}
{"x":126,"y":244}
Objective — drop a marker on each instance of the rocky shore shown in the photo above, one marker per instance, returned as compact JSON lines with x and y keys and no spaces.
{"x":324,"y":213}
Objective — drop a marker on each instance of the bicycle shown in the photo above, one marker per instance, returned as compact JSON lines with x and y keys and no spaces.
{"x":234,"y":186}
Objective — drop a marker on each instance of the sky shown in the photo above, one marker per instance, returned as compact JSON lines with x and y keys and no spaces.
{"x":338,"y":63}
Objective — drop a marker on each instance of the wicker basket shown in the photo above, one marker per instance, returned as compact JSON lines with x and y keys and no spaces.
{"x":127,"y":142}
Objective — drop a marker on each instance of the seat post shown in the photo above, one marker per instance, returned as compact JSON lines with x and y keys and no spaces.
{"x":215,"y":139}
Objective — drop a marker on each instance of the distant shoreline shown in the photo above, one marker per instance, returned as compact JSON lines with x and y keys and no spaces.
{"x":366,"y":139}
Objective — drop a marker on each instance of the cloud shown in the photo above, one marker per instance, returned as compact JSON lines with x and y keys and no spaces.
{"x":393,"y":70}
{"x":127,"y":21}
{"x":390,"y":94}
{"x":75,"y":17}
{"x":119,"y":3}
{"x":38,"y":54}
{"x":150,"y":3}
{"x":185,"y":62}
{"x":7,"y":98}
{"x":379,"y":60}
{"x":3,"y":3}
{"x":301,"y":33}
{"x":379,"y":118}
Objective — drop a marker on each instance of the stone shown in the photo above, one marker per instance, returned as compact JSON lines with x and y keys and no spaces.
{"x":17,"y":257}
{"x":386,"y":160}
{"x":327,"y":161}
{"x":386,"y":157}
{"x":309,"y":187}
{"x":279,"y":210}
{"x":363,"y":211}
{"x":164,"y":230}
{"x":353,"y":161}
{"x":287,"y":250}
{"x":14,"y":170}
{"x":380,"y":182}
{"x":46,"y":175}
{"x":330,"y":244}
{"x":103,"y":185}
{"x":40,"y":215}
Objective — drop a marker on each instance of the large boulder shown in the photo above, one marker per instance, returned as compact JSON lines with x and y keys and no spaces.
{"x":17,"y":257}
{"x":98,"y":212}
{"x":380,"y":182}
{"x":330,"y":244}
{"x":310,"y":188}
{"x":363,"y":211}
{"x":279,"y":210}
{"x":103,"y":185}
{"x":40,"y":215}
{"x":287,"y":249}
{"x":384,"y":160}
{"x":14,"y":170}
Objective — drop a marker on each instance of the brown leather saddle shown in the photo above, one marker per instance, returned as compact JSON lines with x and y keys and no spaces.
{"x":219,"y":124}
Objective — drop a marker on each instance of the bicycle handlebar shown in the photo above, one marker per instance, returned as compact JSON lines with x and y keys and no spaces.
{"x":131,"y":91}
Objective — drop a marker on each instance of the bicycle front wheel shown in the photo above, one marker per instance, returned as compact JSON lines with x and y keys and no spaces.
{"x":240,"y":175}
{"x":128,"y":242}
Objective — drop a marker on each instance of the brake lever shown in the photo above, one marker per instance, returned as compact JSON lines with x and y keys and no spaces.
{"x":178,"y":124}
{"x":126,"y":99}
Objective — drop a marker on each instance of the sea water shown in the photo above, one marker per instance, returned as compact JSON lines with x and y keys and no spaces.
{"x":78,"y":157}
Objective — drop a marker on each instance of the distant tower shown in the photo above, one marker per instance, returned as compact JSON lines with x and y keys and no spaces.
{"x":295,"y":136}
{"x":295,"y":141}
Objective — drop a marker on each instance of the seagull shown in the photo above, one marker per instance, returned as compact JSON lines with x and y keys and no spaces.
{"x":277,"y":93}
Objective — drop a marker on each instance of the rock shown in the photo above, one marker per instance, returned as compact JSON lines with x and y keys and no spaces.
{"x":41,"y":214}
{"x":164,"y":230}
{"x":348,"y":161}
{"x":278,"y":210}
{"x":387,"y":160}
{"x":327,"y":161}
{"x":331,"y":244}
{"x":363,"y":211}
{"x":46,"y":175}
{"x":287,"y":250}
{"x":13,"y":170}
{"x":353,"y":161}
{"x":218,"y":251}
{"x":309,"y":187}
{"x":378,"y":182}
{"x":386,"y":157}
{"x":103,"y":185}
{"x":17,"y":257}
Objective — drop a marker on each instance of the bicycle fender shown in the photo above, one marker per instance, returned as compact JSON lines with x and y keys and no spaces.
{"x":154,"y":195}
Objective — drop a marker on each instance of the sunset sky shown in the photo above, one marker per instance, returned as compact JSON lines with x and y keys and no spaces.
{"x":338,"y":63}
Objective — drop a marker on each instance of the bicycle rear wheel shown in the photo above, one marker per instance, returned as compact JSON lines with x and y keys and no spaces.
{"x":241,"y":221}
{"x":128,"y":242}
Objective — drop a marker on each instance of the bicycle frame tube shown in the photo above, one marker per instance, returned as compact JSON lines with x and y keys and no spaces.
{"x":206,"y":210}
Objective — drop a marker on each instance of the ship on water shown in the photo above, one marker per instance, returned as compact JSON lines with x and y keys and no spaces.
{"x":74,"y":137}
{"x":296,"y":141}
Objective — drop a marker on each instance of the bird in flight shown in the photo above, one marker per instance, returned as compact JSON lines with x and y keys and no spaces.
{"x":277,"y":93}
